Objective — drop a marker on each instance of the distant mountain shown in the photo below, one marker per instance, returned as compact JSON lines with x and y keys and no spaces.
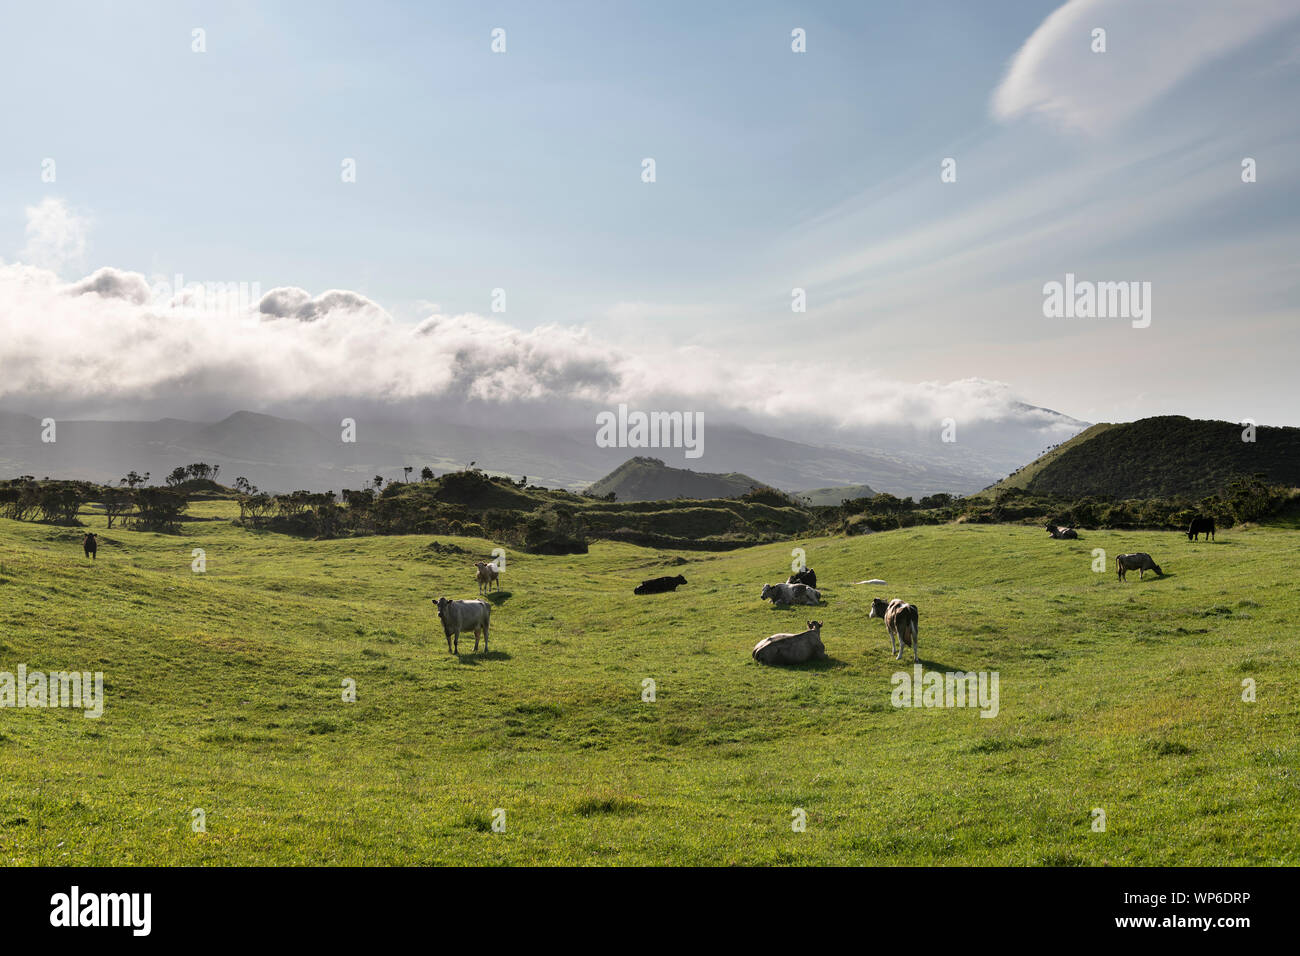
{"x":283,"y":454}
{"x":833,"y":496}
{"x":649,"y":479}
{"x":1159,"y":457}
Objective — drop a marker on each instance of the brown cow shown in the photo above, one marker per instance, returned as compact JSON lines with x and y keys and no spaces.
{"x":487,"y":573}
{"x":902,"y":620}
{"x":1139,"y":561}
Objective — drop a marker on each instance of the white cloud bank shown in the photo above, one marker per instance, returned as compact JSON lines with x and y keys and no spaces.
{"x":1151,"y":46}
{"x":103,"y":344}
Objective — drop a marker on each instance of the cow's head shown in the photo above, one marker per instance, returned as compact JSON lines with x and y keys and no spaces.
{"x":814,"y":625}
{"x":878,"y":607}
{"x":1191,"y":535}
{"x":1156,"y":568}
{"x":680,"y":579}
{"x":767,"y":589}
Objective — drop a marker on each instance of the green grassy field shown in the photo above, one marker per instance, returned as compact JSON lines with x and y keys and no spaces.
{"x":224,"y":692}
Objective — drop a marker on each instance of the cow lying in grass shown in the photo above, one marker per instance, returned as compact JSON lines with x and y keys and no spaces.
{"x":1059,"y":531}
{"x":659,"y":585}
{"x":1139,"y":561}
{"x":457,"y":616}
{"x":807,"y":576}
{"x":486,"y":574}
{"x":791,"y":594}
{"x":792,"y":648}
{"x":902,"y":621}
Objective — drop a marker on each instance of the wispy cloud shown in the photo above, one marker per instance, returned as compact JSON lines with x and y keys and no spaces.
{"x":1150,"y":48}
{"x":56,"y":235}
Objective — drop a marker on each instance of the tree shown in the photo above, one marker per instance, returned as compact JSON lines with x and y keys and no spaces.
{"x":406,"y":472}
{"x":379,"y":482}
{"x":426,"y":473}
{"x":117,"y":502}
{"x":134,"y":479}
{"x":177,"y":476}
{"x":158,"y":509}
{"x":60,"y":501}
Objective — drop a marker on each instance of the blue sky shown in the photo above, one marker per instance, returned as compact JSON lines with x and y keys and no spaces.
{"x":774,"y":170}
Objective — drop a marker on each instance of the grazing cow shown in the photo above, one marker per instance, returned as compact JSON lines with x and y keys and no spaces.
{"x":487,"y":573}
{"x":1201,"y":526}
{"x":791,"y":594}
{"x":1059,"y":531}
{"x":1139,"y":561}
{"x":90,"y":544}
{"x":807,"y":576}
{"x":902,"y":621}
{"x":659,"y":585}
{"x":457,"y":616}
{"x":791,"y":648}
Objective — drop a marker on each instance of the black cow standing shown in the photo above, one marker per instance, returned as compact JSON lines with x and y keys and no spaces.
{"x":1201,"y":526}
{"x":90,"y":545}
{"x":659,"y":585}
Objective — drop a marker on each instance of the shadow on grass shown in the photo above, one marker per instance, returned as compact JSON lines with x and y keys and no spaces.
{"x":821,"y":664}
{"x":498,"y":597}
{"x":471,"y":657}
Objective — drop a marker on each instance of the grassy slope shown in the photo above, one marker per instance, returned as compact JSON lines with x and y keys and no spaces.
{"x":1029,"y":472}
{"x":224,"y":694}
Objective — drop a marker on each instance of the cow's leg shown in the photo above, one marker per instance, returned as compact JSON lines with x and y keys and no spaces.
{"x":916,"y":640}
{"x":895,"y":645}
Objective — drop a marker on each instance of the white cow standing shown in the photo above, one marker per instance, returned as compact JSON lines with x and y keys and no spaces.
{"x":457,"y":616}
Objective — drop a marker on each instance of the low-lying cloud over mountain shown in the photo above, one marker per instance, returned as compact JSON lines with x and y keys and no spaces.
{"x":115,"y":344}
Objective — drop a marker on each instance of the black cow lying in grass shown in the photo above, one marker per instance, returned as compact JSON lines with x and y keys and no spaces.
{"x":807,"y":576}
{"x":659,"y":585}
{"x":90,"y":544}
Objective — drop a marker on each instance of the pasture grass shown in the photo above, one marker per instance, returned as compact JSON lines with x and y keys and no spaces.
{"x":224,"y":693}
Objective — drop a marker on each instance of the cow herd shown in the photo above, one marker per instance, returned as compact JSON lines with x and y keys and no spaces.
{"x":902,"y":620}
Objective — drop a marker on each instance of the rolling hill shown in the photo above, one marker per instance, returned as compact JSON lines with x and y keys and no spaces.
{"x":1160,"y":457}
{"x":820,"y":497}
{"x":649,"y":479}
